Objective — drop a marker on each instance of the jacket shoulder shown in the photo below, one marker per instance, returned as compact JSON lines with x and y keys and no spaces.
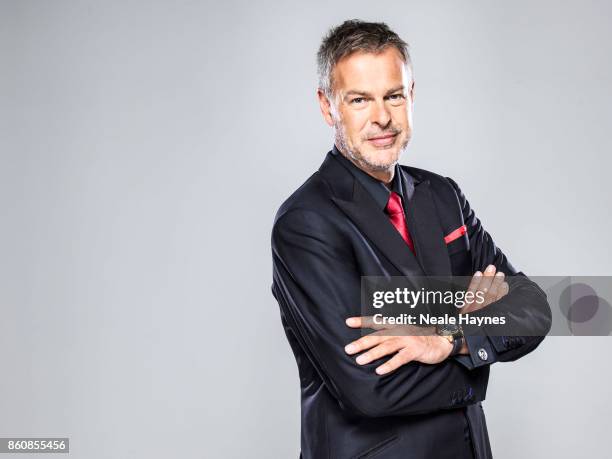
{"x":310,"y":217}
{"x":312,"y":196}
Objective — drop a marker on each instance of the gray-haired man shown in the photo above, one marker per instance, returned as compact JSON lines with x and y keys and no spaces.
{"x":362,"y":214}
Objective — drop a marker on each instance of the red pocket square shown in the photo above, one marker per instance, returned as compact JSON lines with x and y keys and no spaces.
{"x":456,"y":234}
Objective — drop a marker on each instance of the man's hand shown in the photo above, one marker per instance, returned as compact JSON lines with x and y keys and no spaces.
{"x":418,"y":344}
{"x":491,"y":285}
{"x":392,"y":340}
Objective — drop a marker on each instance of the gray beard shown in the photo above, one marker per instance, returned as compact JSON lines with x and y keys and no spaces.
{"x":357,"y":157}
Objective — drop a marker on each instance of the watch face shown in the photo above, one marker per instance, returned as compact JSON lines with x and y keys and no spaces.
{"x":449,"y":329}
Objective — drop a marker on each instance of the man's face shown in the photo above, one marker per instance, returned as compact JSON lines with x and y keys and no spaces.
{"x":371,"y":108}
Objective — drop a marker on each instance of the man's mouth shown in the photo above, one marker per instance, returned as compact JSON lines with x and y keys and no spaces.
{"x":383,"y":140}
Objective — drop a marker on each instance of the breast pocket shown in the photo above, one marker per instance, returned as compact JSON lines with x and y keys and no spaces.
{"x":461,"y":244}
{"x":459,"y":256}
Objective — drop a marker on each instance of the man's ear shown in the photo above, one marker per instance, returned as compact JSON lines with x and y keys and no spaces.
{"x":412,"y":92}
{"x":325,"y":105}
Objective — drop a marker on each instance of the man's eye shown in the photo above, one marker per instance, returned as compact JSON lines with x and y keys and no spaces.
{"x":396,"y":96}
{"x":358,"y":100}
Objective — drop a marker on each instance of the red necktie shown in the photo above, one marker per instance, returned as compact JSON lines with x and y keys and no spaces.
{"x":395,"y":211}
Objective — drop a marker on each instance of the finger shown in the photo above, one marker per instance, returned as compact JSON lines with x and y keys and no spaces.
{"x":503,"y":290}
{"x":407,"y":330}
{"x":487,"y":279}
{"x":473,"y":288}
{"x":365,"y":342}
{"x":365,"y":322}
{"x":386,"y":348}
{"x":475,"y":282}
{"x":481,"y":296}
{"x":354,"y":322}
{"x":498,"y":280}
{"x":399,"y":359}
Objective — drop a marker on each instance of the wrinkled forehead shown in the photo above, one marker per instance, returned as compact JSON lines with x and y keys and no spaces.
{"x":371,"y":72}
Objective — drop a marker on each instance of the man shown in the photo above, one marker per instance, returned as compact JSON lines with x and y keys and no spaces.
{"x":362,"y":214}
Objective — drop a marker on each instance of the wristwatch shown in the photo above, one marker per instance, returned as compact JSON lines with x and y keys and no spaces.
{"x":454,"y":335}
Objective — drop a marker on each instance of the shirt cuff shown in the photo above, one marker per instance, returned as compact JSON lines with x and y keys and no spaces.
{"x":480,"y":352}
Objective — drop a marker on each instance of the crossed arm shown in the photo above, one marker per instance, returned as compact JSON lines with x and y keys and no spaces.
{"x":318,"y":288}
{"x":317,"y":285}
{"x":526,"y":305}
{"x":429,"y":348}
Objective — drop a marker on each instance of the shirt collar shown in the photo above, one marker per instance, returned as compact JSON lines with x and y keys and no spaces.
{"x":377,"y":189}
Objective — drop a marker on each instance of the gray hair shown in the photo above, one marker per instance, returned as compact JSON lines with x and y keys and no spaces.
{"x":352,"y":36}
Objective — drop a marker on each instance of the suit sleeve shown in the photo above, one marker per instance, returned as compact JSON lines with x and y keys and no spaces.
{"x":317,"y":286}
{"x":525,"y":306}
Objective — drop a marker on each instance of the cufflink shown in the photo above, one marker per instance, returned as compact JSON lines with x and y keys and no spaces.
{"x":483,"y":354}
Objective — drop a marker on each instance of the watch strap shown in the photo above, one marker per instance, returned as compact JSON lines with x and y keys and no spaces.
{"x":457,"y":345}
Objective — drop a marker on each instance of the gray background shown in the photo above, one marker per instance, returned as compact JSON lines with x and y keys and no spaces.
{"x":145,"y":147}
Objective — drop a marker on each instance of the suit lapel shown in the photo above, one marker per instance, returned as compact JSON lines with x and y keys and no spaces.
{"x":364,"y":213}
{"x":421,"y":218}
{"x":355,"y":202}
{"x":425,"y":229}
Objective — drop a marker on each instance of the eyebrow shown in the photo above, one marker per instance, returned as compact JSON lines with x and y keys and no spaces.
{"x":356,"y":92}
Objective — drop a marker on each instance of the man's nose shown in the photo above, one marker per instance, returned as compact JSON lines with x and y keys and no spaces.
{"x":380,"y":114}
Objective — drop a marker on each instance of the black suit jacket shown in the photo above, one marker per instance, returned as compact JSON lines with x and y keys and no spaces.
{"x":326,"y":236}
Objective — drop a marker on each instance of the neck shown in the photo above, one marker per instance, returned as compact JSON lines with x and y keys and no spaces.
{"x":385,"y":175}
